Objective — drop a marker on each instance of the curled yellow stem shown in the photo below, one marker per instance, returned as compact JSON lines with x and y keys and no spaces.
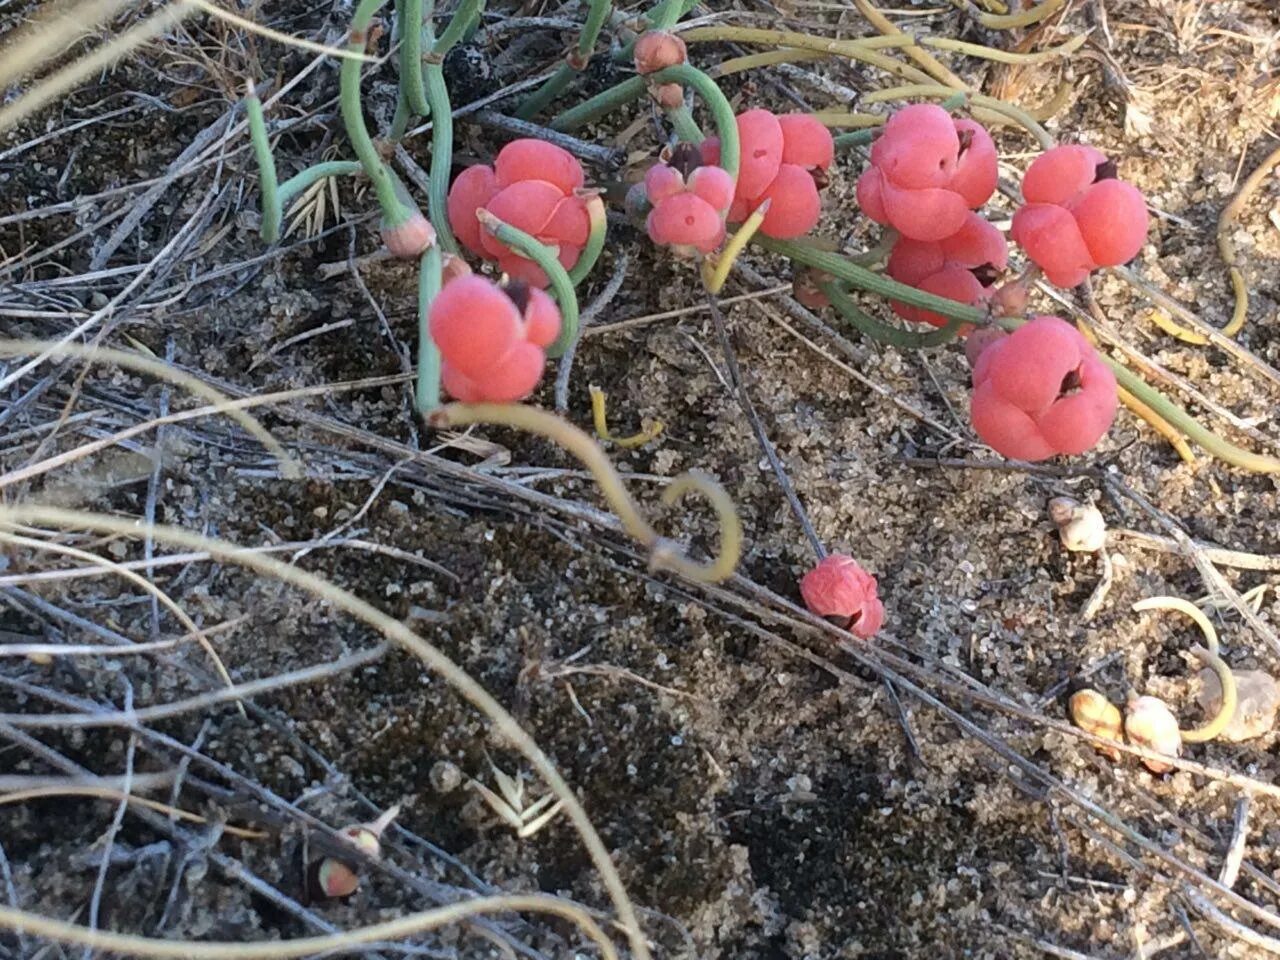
{"x":715,"y":270}
{"x":1210,"y":658}
{"x":1011,"y":21}
{"x":929,"y":63}
{"x":767,"y":58}
{"x":983,"y":107}
{"x":845,"y":118}
{"x":1006,"y":56}
{"x":1227,"y":249}
{"x":600,"y":419}
{"x":663,"y":554}
{"x":1159,"y":424}
{"x":864,"y":50}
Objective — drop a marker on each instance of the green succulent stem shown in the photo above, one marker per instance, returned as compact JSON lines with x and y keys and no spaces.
{"x":299,"y":182}
{"x":541,"y":254}
{"x":427,"y":390}
{"x":595,"y":241}
{"x":412,"y":89}
{"x":558,"y":82}
{"x":272,"y":205}
{"x":858,"y":138}
{"x":393,"y":211}
{"x":460,"y":23}
{"x":685,"y":126}
{"x":857,"y":276}
{"x":633,"y":88}
{"x":885,"y":333}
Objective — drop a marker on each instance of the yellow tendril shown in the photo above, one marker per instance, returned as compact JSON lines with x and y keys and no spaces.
{"x":1209,"y":658}
{"x":663,"y":554}
{"x":600,"y":418}
{"x":844,"y":118}
{"x":1006,"y":56}
{"x":715,"y":269}
{"x":767,"y":58}
{"x":1011,"y":21}
{"x":930,"y":64}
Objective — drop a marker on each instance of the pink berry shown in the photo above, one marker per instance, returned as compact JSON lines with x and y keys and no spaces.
{"x":794,"y":204}
{"x":713,"y":185}
{"x":961,"y":267}
{"x":806,"y":142}
{"x":656,"y":50}
{"x":536,"y":160}
{"x":491,"y":340}
{"x":1042,"y":391}
{"x":1059,"y":174}
{"x":838,"y":588}
{"x":760,"y":143}
{"x":661,"y":181}
{"x":539,"y":209}
{"x":474,"y":187}
{"x":927,"y":170}
{"x":1078,"y":217}
{"x":687,"y":223}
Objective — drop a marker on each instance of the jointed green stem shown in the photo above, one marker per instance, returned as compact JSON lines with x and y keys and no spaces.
{"x":597,"y":14}
{"x":400,"y":121}
{"x":550,"y":91}
{"x":466,"y":14}
{"x":317,"y":171}
{"x":858,"y":138}
{"x":1188,"y":424}
{"x":721,"y":111}
{"x":883,"y":332}
{"x":602,"y":103}
{"x":272,"y":205}
{"x":427,"y":390}
{"x":442,"y":121}
{"x":843,"y":269}
{"x":595,"y":241}
{"x":411,"y":85}
{"x":685,"y":126}
{"x":540,"y":254}
{"x":441,"y":156}
{"x":393,"y":211}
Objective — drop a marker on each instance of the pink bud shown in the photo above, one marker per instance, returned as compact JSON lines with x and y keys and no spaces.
{"x":409,"y":239}
{"x":656,"y":50}
{"x":839,"y":589}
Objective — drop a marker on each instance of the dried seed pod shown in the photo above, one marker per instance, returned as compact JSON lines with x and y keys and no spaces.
{"x":1093,"y":713}
{"x":334,"y":879}
{"x":1148,"y":723}
{"x":1080,"y":525}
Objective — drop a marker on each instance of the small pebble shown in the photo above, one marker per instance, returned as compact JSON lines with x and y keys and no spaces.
{"x":1259,"y":698}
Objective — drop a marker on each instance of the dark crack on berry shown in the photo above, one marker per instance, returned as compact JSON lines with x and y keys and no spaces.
{"x":517,"y":292}
{"x":1106,"y":170}
{"x":820,"y":178}
{"x":685,"y":158}
{"x":1071,"y":383}
{"x":966,"y":141}
{"x":986,"y":274}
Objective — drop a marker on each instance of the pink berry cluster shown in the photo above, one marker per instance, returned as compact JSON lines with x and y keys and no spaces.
{"x":1043,"y":390}
{"x":533,"y":186}
{"x":492,"y":339}
{"x":784,"y":163}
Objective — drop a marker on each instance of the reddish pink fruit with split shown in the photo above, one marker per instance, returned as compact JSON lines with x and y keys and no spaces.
{"x":1078,"y":216}
{"x":784,"y":159}
{"x":927,"y":171}
{"x":492,"y":340}
{"x":533,"y":186}
{"x":688,"y":203}
{"x":1041,"y":391}
{"x":961,"y":267}
{"x":840,"y":590}
{"x":656,"y":50}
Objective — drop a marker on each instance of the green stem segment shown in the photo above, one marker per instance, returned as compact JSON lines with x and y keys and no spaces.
{"x":442,"y":121}
{"x":685,"y":126}
{"x":412,"y":87}
{"x":540,"y":254}
{"x":601,"y":104}
{"x":394,"y":212}
{"x":575,"y":62}
{"x":272,"y":205}
{"x":595,"y":241}
{"x":317,"y":171}
{"x":883,"y":332}
{"x":427,"y":391}
{"x":862,"y":278}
